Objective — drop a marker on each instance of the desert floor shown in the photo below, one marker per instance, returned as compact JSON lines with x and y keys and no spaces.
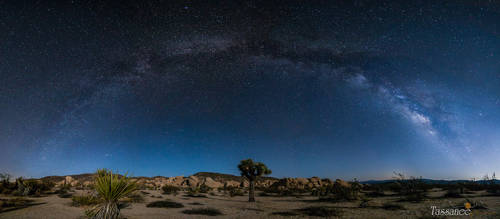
{"x":53,"y":206}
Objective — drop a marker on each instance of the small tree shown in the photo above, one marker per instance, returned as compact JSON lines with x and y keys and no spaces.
{"x":251,"y":171}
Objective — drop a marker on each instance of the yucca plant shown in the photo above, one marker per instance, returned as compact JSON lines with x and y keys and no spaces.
{"x":110,"y":189}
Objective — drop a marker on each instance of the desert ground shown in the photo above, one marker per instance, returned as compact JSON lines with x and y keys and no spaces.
{"x":270,"y":206}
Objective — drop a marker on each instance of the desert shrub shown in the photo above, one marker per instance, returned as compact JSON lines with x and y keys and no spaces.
{"x":31,"y":187}
{"x":412,"y":189}
{"x":64,"y":195}
{"x":195,"y":203}
{"x":321,"y":211}
{"x":375,"y":194}
{"x":235,"y":191}
{"x":264,"y":194}
{"x":494,"y":189}
{"x":293,"y":192}
{"x":84,"y":200}
{"x":203,"y":211}
{"x":195,"y":193}
{"x":285,"y":213}
{"x":452,"y":194}
{"x":338,"y":192}
{"x":14,"y":203}
{"x":393,"y":206}
{"x":320,"y":191}
{"x":474,"y":186}
{"x":63,"y":189}
{"x":170,"y":189}
{"x":193,"y":190}
{"x":491,"y":185}
{"x":364,"y":203}
{"x":414,"y":197}
{"x":204,"y":188}
{"x":165,"y":204}
{"x":5,"y":185}
{"x":454,"y":190}
{"x":135,"y":198}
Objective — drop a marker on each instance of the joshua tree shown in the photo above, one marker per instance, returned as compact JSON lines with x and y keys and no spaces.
{"x":110,"y":188}
{"x":251,"y":171}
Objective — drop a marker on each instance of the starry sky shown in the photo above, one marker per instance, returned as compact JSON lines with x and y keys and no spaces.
{"x":339,"y":89}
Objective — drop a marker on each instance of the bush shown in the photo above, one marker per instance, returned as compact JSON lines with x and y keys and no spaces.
{"x":135,"y":198}
{"x":85,"y":200}
{"x":264,"y":194}
{"x":375,"y":194}
{"x":31,"y":187}
{"x":63,"y":189}
{"x":5,"y":185}
{"x":194,"y":192}
{"x":338,"y":192}
{"x":285,"y":213}
{"x":64,"y":195}
{"x":203,"y":211}
{"x":14,"y":203}
{"x":364,"y":203}
{"x":413,"y":189}
{"x":204,"y":189}
{"x":392,"y":206}
{"x":452,"y":194}
{"x":235,"y":191}
{"x":321,"y":211}
{"x":165,"y":204}
{"x":169,"y":189}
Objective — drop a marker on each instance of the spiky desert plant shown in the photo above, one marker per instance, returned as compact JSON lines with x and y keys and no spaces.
{"x":110,"y":189}
{"x":251,"y":170}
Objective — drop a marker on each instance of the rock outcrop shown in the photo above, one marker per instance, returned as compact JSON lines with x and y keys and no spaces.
{"x":212,"y":180}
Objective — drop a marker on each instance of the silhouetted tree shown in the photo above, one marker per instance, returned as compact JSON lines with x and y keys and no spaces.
{"x":251,"y":170}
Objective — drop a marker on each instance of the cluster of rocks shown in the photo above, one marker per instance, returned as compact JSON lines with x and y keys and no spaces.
{"x":214,"y":182}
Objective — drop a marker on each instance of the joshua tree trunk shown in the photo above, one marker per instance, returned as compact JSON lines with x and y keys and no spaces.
{"x":251,"y":191}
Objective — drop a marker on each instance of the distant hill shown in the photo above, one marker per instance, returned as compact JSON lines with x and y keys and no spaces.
{"x":429,"y":181}
{"x":79,"y":177}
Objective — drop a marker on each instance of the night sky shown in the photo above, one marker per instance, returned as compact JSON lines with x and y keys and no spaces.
{"x":342,"y":89}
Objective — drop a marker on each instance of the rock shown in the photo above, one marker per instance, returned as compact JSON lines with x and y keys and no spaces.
{"x":68,"y":180}
{"x":191,"y":181}
{"x":342,"y":183}
{"x":232,"y":183}
{"x":212,"y":183}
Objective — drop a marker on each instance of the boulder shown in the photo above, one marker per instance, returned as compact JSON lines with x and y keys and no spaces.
{"x":212,"y":183}
{"x":232,"y":183}
{"x":342,"y":183}
{"x":191,"y":181}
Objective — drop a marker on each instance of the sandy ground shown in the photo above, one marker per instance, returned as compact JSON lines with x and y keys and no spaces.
{"x":237,"y":207}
